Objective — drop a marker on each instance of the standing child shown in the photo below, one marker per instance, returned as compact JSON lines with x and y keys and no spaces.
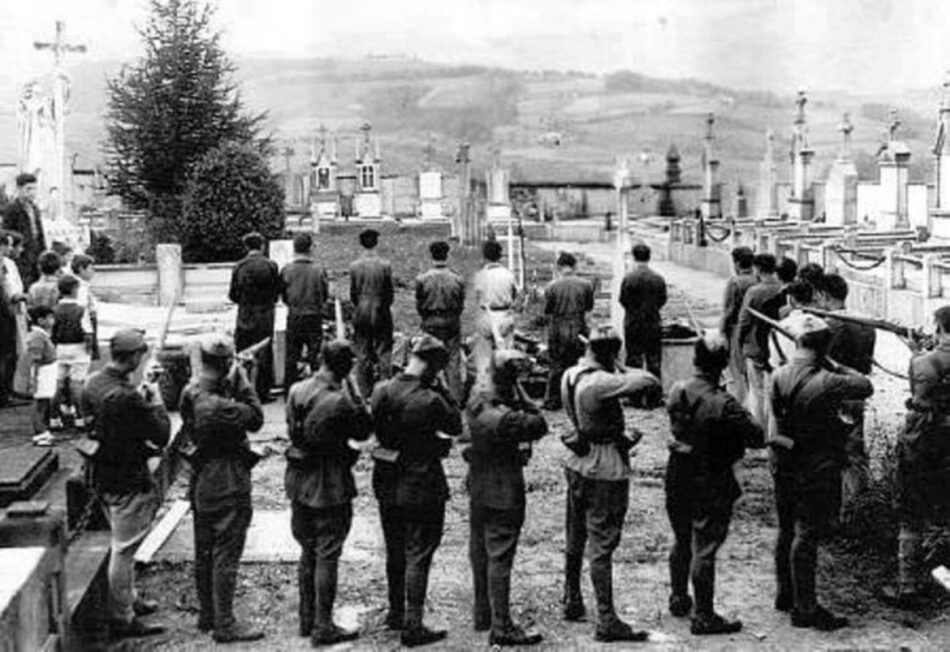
{"x":45,"y":291}
{"x":83,"y":269}
{"x":72,"y":332}
{"x":43,"y":369}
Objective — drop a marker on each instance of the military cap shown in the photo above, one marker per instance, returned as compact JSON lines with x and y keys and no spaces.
{"x":566,"y":259}
{"x":799,"y":324}
{"x":428,"y":346}
{"x":128,"y":340}
{"x":216,"y":346}
{"x":604,"y":333}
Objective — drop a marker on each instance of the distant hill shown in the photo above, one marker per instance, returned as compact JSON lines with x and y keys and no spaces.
{"x":594,"y":118}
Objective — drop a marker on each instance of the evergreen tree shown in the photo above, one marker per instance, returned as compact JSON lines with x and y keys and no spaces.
{"x":171,"y":107}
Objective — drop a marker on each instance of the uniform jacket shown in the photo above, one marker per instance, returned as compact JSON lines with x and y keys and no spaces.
{"x":22,"y":216}
{"x":569,"y":298}
{"x":496,"y":477}
{"x":736,"y":287}
{"x":123,"y":423}
{"x":712,"y":430}
{"x":218,"y":417}
{"x":440,"y":297}
{"x":642,"y":295}
{"x":371,"y":290}
{"x":495,"y":286}
{"x":753,"y":336}
{"x":806,"y":398}
{"x":929,"y":404}
{"x":321,"y":417}
{"x":304,"y":287}
{"x":255,"y":287}
{"x":407,"y":414}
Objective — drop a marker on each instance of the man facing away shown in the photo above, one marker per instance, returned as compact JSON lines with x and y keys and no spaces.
{"x":371,"y":292}
{"x":415,"y":419}
{"x":304,"y":289}
{"x":440,"y":300}
{"x":324,"y":414}
{"x":22,"y":215}
{"x":130,"y":425}
{"x":502,"y":421}
{"x":711,"y":431}
{"x":255,"y":287}
{"x":642,"y":295}
{"x":598,"y":476}
{"x":496,"y":291}
{"x":736,"y":287}
{"x":567,"y":300}
{"x":808,"y":455}
{"x":753,"y":334}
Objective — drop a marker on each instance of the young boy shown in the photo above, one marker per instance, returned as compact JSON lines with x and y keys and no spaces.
{"x":82,"y":266}
{"x":43,"y":369}
{"x":71,"y":333}
{"x":45,"y":291}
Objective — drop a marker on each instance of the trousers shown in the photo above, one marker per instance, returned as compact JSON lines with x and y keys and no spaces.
{"x":565,"y":349}
{"x":493,"y":540}
{"x":373,"y":345}
{"x":449,"y":331}
{"x":854,"y":478}
{"x":757,"y":400}
{"x":303,"y":331}
{"x":219,"y":543}
{"x":321,"y":533}
{"x":595,"y":514}
{"x":412,"y":536}
{"x":130,"y":517}
{"x":644,"y":344}
{"x":264,"y":378}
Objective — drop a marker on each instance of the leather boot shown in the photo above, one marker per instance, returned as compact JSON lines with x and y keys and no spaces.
{"x":326,"y":577}
{"x":573,"y":601}
{"x":415,"y":633}
{"x":307,"y":592}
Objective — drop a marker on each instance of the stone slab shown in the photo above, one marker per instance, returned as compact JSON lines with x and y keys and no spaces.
{"x":269,"y":540}
{"x":23,"y":470}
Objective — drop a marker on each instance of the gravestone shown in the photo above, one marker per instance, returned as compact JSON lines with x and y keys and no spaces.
{"x":841,"y":191}
{"x":430,"y":195}
{"x":23,"y":470}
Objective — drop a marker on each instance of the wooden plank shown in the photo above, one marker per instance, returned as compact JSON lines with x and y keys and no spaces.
{"x":162,"y":531}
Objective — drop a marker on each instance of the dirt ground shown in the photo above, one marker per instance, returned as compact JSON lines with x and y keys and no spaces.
{"x":851,"y":574}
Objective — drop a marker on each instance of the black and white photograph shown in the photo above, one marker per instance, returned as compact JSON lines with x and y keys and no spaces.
{"x":532,"y":324}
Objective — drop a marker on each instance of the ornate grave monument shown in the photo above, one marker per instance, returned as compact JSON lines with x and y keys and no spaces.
{"x":802,"y":202}
{"x":367,"y":202}
{"x":841,"y":190}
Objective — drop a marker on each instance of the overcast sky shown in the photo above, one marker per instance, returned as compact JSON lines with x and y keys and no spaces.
{"x":857,"y":45}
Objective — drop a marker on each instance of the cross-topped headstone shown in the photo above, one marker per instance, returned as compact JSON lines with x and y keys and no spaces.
{"x":59,"y":46}
{"x":429,"y":152}
{"x":800,"y":103}
{"x":893,"y":123}
{"x":846,"y":128}
{"x":288,"y":152}
{"x":710,"y":121}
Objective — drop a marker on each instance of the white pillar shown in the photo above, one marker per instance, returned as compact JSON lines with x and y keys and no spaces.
{"x":171,"y":277}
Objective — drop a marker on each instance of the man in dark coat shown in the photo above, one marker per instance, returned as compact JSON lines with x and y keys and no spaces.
{"x":642,"y":295}
{"x":440,"y":300}
{"x":130,"y":425}
{"x":736,"y":287}
{"x":415,"y":419}
{"x":809,"y":453}
{"x":22,"y":215}
{"x":567,"y":300}
{"x":324,"y":414}
{"x":255,"y":288}
{"x":502,"y":423}
{"x":753,"y":334}
{"x":304,"y":290}
{"x":371,"y":292}
{"x":711,"y":431}
{"x":217,"y":411}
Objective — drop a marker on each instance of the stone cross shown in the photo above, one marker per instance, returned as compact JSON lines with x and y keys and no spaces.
{"x":800,"y":103}
{"x":893,"y":124}
{"x":287,"y":152}
{"x":846,"y":128}
{"x":59,"y":46}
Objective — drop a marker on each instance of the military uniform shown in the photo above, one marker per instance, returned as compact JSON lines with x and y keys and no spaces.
{"x":500,"y":423}
{"x":567,"y":301}
{"x":923,"y":450}
{"x":217,"y":414}
{"x":710,"y":433}
{"x":642,"y":295}
{"x":736,"y":288}
{"x":371,"y":291}
{"x":304,"y":289}
{"x":598,"y":479}
{"x":128,"y":428}
{"x":323,"y":414}
{"x":440,"y":300}
{"x":255,"y":288}
{"x":753,"y":339}
{"x":495,"y":291}
{"x":410,"y":484}
{"x":809,"y":454}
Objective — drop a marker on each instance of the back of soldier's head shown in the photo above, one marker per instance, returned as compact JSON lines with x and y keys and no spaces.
{"x":764,"y":263}
{"x":787,"y":269}
{"x":742,"y":257}
{"x":812,"y":274}
{"x":604,"y":344}
{"x":711,"y":353}
{"x":338,"y":357}
{"x":801,"y":293}
{"x":834,"y":286}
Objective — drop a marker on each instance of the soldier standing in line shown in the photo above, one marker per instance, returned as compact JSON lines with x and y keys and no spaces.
{"x":304,"y":290}
{"x":440,"y":300}
{"x":808,"y":455}
{"x":129,"y":424}
{"x":371,"y":292}
{"x":598,"y":476}
{"x":753,"y":335}
{"x":500,"y":422}
{"x":217,"y":411}
{"x":255,"y":288}
{"x":323,"y":414}
{"x":736,"y":287}
{"x":642,"y":295}
{"x":853,"y":346}
{"x":495,"y":293}
{"x":415,"y":420}
{"x":711,"y":431}
{"x":923,"y":460}
{"x":567,"y":300}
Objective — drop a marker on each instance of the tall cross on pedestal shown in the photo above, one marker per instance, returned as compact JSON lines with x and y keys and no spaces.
{"x":893,"y":124}
{"x":846,"y":128}
{"x":60,"y":47}
{"x":287,"y":152}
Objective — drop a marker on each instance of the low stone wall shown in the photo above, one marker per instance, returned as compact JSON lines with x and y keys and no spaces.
{"x":135,"y":284}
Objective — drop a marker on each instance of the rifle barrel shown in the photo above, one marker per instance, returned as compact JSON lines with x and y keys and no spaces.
{"x":771,"y":322}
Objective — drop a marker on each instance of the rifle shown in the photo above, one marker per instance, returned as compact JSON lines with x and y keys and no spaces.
{"x":906,"y":333}
{"x":778,"y":328}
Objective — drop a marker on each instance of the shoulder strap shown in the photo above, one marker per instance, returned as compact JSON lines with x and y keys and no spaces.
{"x":571,"y":407}
{"x":789,"y":401}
